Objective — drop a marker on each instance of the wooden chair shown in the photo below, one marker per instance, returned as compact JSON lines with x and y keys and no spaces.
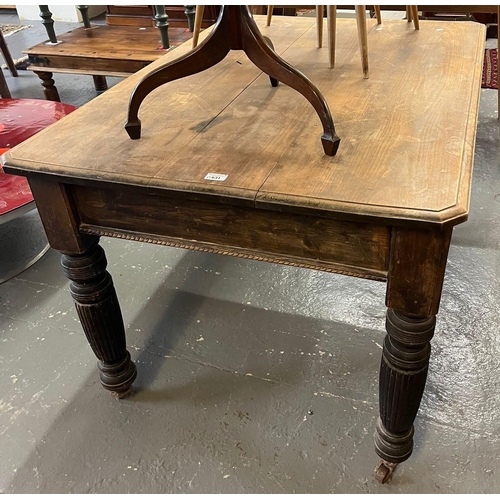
{"x":198,"y":19}
{"x":4,"y":89}
{"x":7,"y":56}
{"x":411,"y":11}
{"x":332,"y":24}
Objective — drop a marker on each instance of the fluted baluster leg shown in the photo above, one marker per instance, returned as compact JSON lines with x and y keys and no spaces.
{"x":403,"y":372}
{"x":415,"y":277}
{"x":99,"y":312}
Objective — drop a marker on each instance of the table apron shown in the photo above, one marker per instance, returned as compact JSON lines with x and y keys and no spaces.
{"x":130,"y":66}
{"x":171,"y":219}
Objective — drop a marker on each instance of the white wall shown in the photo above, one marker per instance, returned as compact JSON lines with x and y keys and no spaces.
{"x":68,"y":13}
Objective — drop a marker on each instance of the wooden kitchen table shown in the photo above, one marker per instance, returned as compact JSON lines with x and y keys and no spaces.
{"x":227,"y":164}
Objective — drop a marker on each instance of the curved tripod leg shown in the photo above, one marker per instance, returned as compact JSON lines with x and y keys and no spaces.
{"x":212,"y":51}
{"x":274,"y":82}
{"x":269,"y":62}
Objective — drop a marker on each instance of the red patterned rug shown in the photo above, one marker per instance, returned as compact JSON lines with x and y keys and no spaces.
{"x":490,"y":69}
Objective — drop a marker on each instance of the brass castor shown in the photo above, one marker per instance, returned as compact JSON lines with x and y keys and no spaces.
{"x":384,"y":471}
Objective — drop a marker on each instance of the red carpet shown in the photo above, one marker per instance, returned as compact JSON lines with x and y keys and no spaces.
{"x":490,"y":69}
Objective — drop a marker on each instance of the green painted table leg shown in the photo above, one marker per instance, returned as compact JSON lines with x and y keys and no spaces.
{"x":84,"y":11}
{"x":190,"y":11}
{"x":48,"y":22}
{"x":162,"y":24}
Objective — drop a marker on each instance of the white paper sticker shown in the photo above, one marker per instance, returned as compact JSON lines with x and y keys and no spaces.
{"x":216,"y":177}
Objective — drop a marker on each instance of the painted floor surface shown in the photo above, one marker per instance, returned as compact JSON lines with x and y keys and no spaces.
{"x":253,"y":377}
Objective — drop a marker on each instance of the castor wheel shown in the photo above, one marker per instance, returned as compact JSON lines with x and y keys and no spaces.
{"x":384,"y":471}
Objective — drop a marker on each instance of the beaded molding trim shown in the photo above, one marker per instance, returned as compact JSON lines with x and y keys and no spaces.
{"x":229,"y":253}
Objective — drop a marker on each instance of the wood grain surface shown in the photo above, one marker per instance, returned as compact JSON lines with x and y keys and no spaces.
{"x":407,"y":132}
{"x":105,"y":41}
{"x":362,"y":246}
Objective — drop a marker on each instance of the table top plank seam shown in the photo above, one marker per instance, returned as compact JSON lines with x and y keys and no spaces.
{"x":282,"y":55}
{"x":455,"y":212}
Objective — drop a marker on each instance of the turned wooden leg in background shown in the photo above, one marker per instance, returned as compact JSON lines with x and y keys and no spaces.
{"x":190,"y":14}
{"x":403,"y":372}
{"x":319,"y":24}
{"x":7,"y":56}
{"x":363,"y":37}
{"x":198,"y":19}
{"x":162,"y":25}
{"x":409,"y":16}
{"x":99,"y":312}
{"x":414,"y":15}
{"x":270,"y":9}
{"x":332,"y":33}
{"x":100,"y":83}
{"x":48,"y":22}
{"x":84,"y":11}
{"x":4,"y":88}
{"x":49,"y":89}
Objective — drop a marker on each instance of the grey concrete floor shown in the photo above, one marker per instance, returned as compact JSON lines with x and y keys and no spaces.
{"x":253,"y":377}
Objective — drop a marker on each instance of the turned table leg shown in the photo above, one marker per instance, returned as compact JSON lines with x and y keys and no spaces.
{"x":417,"y":266}
{"x":49,"y":89}
{"x":101,"y":318}
{"x":84,"y":263}
{"x":403,"y":372}
{"x":100,"y":83}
